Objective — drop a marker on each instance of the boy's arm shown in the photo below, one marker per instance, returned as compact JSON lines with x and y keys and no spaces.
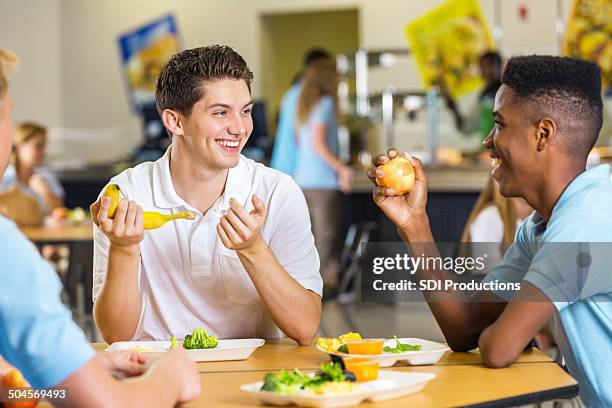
{"x":171,"y":379}
{"x":461,"y":320}
{"x":503,"y":341}
{"x":117,"y":306}
{"x":293,"y":308}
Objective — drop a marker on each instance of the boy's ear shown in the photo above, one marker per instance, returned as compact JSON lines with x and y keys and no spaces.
{"x":546,"y":129}
{"x":172,"y":121}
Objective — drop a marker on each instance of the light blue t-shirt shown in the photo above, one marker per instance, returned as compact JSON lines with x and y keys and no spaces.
{"x":284,"y":154}
{"x":10,"y":179}
{"x":37,"y":334}
{"x":312,"y":172}
{"x":570,"y":260}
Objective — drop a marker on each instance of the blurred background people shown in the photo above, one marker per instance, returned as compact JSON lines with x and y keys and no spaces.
{"x":494,"y":217}
{"x":284,"y":153}
{"x":318,"y":170}
{"x":480,"y":116}
{"x":27,"y":170}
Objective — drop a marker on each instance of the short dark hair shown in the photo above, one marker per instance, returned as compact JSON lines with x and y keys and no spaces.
{"x":493,"y":57}
{"x":315,"y":54}
{"x":567,"y":89}
{"x":179,"y":83}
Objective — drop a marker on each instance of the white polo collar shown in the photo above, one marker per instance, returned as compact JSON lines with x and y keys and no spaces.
{"x":238,"y":185}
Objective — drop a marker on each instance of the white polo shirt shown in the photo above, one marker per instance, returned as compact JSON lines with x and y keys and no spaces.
{"x":187,"y":277}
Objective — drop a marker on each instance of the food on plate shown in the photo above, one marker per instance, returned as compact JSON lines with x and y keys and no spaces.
{"x":333,"y":345}
{"x":14,"y":379}
{"x":151,"y":220}
{"x":401,"y":347}
{"x":173,"y":342}
{"x":364,"y":369}
{"x":330,"y":379}
{"x":143,"y":349}
{"x":365,"y":346}
{"x":338,"y":387}
{"x":199,"y":339}
{"x":60,"y":214}
{"x":398,"y":175}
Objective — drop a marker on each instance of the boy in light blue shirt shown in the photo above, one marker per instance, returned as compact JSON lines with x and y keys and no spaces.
{"x":548,"y":114}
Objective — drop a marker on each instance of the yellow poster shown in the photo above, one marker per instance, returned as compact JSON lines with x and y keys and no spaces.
{"x":589,"y":35}
{"x":447,"y":43}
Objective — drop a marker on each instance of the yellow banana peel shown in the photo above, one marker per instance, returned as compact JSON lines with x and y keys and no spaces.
{"x":151,"y":220}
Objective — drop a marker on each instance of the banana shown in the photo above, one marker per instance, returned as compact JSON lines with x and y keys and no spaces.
{"x":151,"y":220}
{"x":154,"y":220}
{"x":114,"y":193}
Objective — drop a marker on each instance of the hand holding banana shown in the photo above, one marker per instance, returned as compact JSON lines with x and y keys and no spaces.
{"x":124,"y":221}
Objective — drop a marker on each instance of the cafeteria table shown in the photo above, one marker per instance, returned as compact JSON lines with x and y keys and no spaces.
{"x":79,"y":239}
{"x":461,"y":378}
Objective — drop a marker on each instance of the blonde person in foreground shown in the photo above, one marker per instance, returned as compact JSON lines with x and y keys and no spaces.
{"x":247,"y":265}
{"x":38,"y":336}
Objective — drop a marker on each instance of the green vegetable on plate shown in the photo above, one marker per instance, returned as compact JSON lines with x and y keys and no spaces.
{"x":401,"y":347}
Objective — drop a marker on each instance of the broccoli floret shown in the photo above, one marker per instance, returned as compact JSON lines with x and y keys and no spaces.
{"x":199,"y":339}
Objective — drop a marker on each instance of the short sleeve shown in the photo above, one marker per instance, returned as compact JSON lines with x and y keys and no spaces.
{"x":291,"y":239}
{"x":323,"y":112}
{"x":37,"y":333}
{"x":574,"y":261}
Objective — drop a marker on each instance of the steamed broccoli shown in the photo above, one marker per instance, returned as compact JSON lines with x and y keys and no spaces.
{"x":199,"y":339}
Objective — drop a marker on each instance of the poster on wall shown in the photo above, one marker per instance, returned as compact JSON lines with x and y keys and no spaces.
{"x":589,"y":35}
{"x":144,"y":52}
{"x":446,"y":44}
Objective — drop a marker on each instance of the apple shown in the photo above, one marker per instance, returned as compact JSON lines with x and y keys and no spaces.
{"x":398,"y":175}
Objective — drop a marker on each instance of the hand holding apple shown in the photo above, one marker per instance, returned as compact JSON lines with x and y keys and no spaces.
{"x":398,"y":175}
{"x":401,"y":186}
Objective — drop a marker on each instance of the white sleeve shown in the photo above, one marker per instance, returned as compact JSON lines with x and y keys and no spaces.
{"x":291,"y":239}
{"x":488,"y":226}
{"x":100,"y":260}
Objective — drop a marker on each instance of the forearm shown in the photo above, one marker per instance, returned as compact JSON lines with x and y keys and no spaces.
{"x":460,"y":319}
{"x":323,"y":151}
{"x":92,"y":386}
{"x":118,"y":305}
{"x":293,"y":308}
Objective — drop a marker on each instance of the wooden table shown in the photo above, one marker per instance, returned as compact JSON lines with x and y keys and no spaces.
{"x":454,"y":385}
{"x":61,"y":234}
{"x":286,"y":354}
{"x":462,"y":379}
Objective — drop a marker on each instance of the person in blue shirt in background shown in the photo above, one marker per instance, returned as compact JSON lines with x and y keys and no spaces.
{"x":284,"y":153}
{"x":318,"y":170}
{"x":548,"y":115}
{"x":40,"y":339}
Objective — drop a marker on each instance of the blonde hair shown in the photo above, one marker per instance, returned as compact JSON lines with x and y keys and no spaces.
{"x":8,"y":60}
{"x":320,"y":79}
{"x":507,"y":211}
{"x":23,"y":133}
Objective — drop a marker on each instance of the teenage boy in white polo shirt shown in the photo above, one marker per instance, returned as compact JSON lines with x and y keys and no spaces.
{"x":247,"y":265}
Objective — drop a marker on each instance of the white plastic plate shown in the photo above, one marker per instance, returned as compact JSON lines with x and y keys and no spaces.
{"x":226,"y":350}
{"x":429,"y":353}
{"x":390,"y":384}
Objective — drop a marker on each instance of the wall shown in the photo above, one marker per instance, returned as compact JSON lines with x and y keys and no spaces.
{"x":71,"y":60}
{"x":31,"y":28}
